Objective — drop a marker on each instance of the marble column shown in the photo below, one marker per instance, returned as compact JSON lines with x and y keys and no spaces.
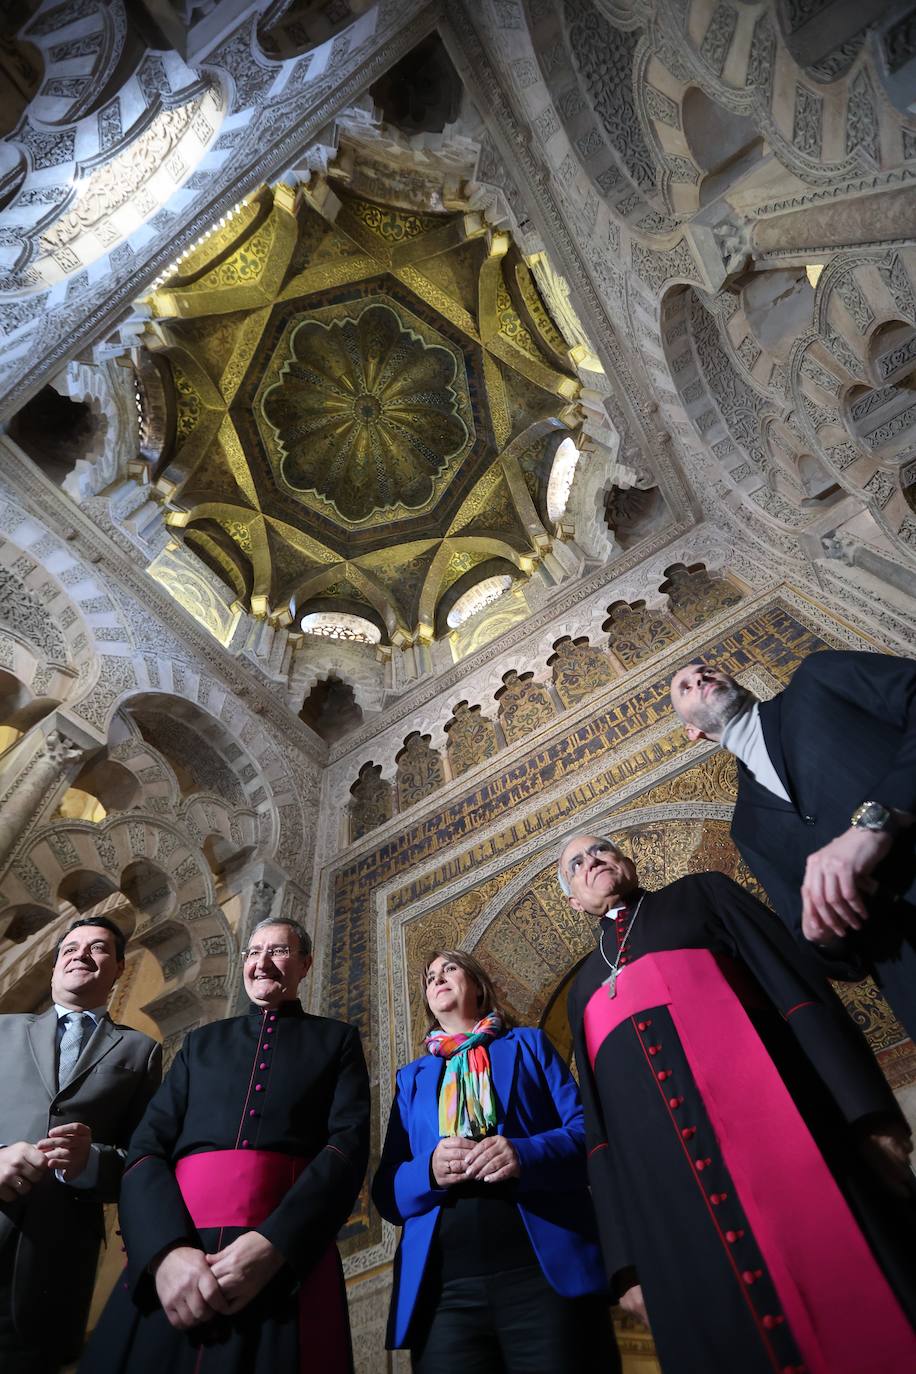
{"x":57,"y":759}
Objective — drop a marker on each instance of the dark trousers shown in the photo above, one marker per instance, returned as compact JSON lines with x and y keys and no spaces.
{"x":16,"y":1357}
{"x":512,"y":1323}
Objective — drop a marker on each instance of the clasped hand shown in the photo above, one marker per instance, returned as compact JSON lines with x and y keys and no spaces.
{"x":64,"y":1148}
{"x":837,"y":881}
{"x":194,"y":1287}
{"x":21,"y":1166}
{"x":493,"y":1159}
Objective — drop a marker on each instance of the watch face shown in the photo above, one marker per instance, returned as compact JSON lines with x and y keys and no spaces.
{"x":871,"y":816}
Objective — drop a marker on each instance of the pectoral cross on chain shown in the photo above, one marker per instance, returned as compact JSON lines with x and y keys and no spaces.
{"x":610,"y":981}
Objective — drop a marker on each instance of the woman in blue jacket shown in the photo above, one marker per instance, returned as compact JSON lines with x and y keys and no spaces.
{"x":483,"y":1166}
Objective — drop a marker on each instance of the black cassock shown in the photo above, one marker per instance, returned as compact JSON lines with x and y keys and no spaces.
{"x":285,"y":1083}
{"x":671,"y":1214}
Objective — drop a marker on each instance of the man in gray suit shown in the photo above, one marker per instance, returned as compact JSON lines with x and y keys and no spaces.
{"x":74,"y":1086}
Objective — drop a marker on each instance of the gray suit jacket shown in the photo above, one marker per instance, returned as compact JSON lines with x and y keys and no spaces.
{"x":56,"y":1229}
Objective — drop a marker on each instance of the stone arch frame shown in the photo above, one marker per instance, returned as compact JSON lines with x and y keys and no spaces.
{"x":64,"y":98}
{"x":858,"y":294}
{"x":275,"y":21}
{"x":345,"y":661}
{"x":109,"y":390}
{"x":223,"y":741}
{"x":704,"y":64}
{"x":751,"y":445}
{"x":109,"y":670}
{"x":43,"y":624}
{"x":33,"y":675}
{"x":199,"y":988}
{"x":272,"y":791}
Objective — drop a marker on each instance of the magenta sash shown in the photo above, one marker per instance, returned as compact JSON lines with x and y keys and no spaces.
{"x":240,"y":1188}
{"x":235,"y":1187}
{"x":843,"y":1314}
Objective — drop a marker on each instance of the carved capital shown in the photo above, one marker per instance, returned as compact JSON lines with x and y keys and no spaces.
{"x":62,"y":750}
{"x":262,"y":897}
{"x":840,"y":547}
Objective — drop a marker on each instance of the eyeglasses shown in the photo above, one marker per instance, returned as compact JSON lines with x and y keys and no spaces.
{"x":272,"y":951}
{"x":575,"y":863}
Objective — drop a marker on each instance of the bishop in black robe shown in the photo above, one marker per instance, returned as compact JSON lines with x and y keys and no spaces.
{"x":260,"y":1125}
{"x":726,"y":1096}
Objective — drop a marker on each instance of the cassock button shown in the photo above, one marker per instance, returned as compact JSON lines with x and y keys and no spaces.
{"x":252,"y":1112}
{"x":663,"y":1074}
{"x":641,"y":1025}
{"x":265,"y":1047}
{"x":701,"y":1165}
{"x":273,"y":1016}
{"x":654,"y":1049}
{"x":259,"y":1087}
{"x":270,"y":1030}
{"x":244,"y":1144}
{"x":770,"y":1321}
{"x":675,"y":1102}
{"x":731,"y":1237}
{"x":689,"y":1131}
{"x":262,"y":1066}
{"x":715,"y":1199}
{"x":748,"y":1277}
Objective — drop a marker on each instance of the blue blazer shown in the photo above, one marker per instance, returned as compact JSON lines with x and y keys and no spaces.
{"x":540,"y":1112}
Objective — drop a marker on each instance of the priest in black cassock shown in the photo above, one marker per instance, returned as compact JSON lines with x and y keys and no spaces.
{"x":247,"y":1163}
{"x":748,"y":1162}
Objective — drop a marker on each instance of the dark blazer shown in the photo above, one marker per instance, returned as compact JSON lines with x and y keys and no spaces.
{"x":541,"y":1114}
{"x":56,"y":1229}
{"x":842,"y":732}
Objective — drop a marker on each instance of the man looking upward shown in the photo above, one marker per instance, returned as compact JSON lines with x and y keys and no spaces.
{"x":732,"y":1112}
{"x":826,"y":805}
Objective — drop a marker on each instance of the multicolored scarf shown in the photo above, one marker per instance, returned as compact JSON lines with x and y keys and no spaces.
{"x":467,"y":1106}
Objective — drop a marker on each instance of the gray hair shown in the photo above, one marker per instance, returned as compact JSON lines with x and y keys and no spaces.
{"x":561,"y":876}
{"x":305,"y":940}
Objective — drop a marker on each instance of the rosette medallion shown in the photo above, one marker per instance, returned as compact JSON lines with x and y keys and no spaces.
{"x":366,"y":413}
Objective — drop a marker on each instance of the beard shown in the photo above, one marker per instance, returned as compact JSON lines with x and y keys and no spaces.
{"x":713,"y":715}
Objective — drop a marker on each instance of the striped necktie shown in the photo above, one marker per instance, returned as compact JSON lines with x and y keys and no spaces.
{"x":76,"y":1032}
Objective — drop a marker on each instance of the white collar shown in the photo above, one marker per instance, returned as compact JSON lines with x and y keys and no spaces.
{"x":743,"y":736}
{"x":95,"y":1012}
{"x":743,"y":731}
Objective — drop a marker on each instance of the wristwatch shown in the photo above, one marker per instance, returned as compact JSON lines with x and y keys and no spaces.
{"x":874,"y":815}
